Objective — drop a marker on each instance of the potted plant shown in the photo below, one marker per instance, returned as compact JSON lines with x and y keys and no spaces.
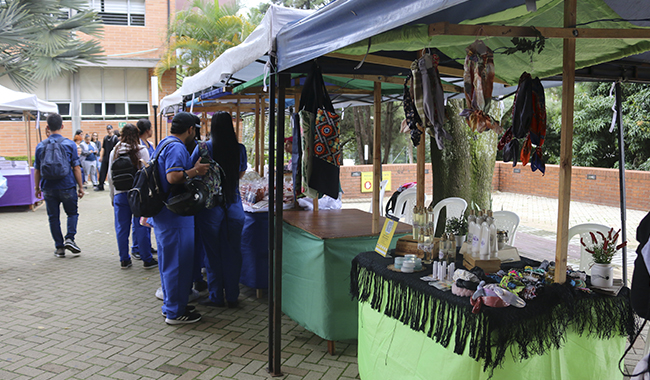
{"x":458,"y":227}
{"x":602,"y":273}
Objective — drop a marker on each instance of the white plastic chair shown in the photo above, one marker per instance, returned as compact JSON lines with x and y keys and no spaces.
{"x":455,"y":207}
{"x":507,"y":221}
{"x":382,"y":191}
{"x":582,"y":230}
{"x":404,"y":205}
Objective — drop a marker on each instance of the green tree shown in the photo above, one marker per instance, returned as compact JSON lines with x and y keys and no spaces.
{"x":202,"y":33}
{"x":39,"y":39}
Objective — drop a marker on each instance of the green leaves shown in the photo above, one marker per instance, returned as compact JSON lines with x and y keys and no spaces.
{"x":38,"y":40}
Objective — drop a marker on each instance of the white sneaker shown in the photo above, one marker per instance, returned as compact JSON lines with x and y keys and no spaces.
{"x":159,"y":294}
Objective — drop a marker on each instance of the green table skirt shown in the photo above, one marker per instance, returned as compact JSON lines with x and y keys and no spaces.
{"x":316,"y":281}
{"x":390,"y":350}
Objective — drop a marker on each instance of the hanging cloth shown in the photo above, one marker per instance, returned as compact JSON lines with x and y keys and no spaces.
{"x":322,"y":131}
{"x":429,"y":98}
{"x":529,"y":123}
{"x":478,"y":80}
{"x":411,"y":116}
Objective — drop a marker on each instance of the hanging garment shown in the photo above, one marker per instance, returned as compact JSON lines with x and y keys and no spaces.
{"x":322,"y":131}
{"x":529,"y":123}
{"x":434,"y":99}
{"x":478,"y":80}
{"x":411,"y":116}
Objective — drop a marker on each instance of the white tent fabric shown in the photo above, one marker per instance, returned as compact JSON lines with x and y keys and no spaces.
{"x":16,"y":101}
{"x":236,"y":59}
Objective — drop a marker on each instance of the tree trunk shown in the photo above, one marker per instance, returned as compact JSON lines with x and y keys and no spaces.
{"x":357,"y":133}
{"x":465,"y":167}
{"x":388,"y":128}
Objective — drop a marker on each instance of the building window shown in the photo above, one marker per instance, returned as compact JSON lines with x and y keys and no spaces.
{"x":114,"y":93}
{"x":120,"y":12}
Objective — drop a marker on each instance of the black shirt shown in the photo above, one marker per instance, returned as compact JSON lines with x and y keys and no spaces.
{"x":108,"y":145}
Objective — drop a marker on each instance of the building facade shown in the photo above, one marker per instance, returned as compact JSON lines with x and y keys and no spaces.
{"x":116,"y":92}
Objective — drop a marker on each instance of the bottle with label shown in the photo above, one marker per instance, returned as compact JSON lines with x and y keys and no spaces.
{"x":494,"y":246}
{"x":485,"y":241}
{"x":470,"y":219}
{"x":476,"y":239}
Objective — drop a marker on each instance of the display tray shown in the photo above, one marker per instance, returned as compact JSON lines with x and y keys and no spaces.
{"x":392,"y":267}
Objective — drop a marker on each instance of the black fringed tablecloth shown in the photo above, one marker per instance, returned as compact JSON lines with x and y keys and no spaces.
{"x":532,"y":330}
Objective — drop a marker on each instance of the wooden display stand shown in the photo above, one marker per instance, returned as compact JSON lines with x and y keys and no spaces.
{"x":489,"y":266}
{"x":407,"y":245}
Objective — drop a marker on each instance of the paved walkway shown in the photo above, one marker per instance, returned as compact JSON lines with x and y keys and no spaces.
{"x":84,"y":318}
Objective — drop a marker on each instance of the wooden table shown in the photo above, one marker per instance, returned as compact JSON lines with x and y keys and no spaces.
{"x":318,"y":248}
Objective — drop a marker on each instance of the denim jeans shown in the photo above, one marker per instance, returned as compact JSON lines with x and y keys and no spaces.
{"x":67,"y":197}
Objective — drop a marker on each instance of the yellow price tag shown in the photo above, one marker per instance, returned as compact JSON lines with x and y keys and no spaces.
{"x":386,"y":236}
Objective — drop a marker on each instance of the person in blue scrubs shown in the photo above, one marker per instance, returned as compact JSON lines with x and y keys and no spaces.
{"x":129,"y":145}
{"x":142,"y":234}
{"x":175,"y":233}
{"x":219,"y":229}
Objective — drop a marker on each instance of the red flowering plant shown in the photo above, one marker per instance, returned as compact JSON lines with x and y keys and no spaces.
{"x":604,"y":251}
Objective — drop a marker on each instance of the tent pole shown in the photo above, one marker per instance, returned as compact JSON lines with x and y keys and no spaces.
{"x":566,"y":145}
{"x":376,"y":160}
{"x":262,"y":131}
{"x":621,"y":176}
{"x":26,"y":116}
{"x":257,"y":135}
{"x":239,"y":137}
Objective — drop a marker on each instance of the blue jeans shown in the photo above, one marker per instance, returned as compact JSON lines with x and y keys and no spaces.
{"x":67,"y":197}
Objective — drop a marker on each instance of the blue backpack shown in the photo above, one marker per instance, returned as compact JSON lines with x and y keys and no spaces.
{"x":54,"y":161}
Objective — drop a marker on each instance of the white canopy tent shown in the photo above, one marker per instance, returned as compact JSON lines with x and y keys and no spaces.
{"x":240,"y":63}
{"x":17,"y":102}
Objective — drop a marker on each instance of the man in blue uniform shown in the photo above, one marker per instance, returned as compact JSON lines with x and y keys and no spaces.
{"x":58,"y":183}
{"x":175,"y":233}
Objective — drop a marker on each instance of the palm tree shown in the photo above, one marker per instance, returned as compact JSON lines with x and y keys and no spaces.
{"x":202,"y":33}
{"x":39,"y":39}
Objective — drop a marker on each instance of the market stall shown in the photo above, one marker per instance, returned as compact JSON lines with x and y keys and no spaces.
{"x":563,"y":333}
{"x":20,"y":184}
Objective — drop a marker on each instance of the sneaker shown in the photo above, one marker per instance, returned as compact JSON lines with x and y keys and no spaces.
{"x":150,"y":264}
{"x":200,"y":286}
{"x":210,"y":303}
{"x":154,"y":251}
{"x":194,"y":295}
{"x":190,"y":308}
{"x":71,"y":246}
{"x":135,"y":256}
{"x":60,"y":253}
{"x":126,"y":264}
{"x":159,"y":294}
{"x":187,"y":317}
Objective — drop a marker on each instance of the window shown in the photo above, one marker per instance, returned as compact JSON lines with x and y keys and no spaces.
{"x":114,"y":93}
{"x":120,"y":12}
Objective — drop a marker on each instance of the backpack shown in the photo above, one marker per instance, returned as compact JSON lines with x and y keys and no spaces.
{"x":123,"y":172}
{"x":212,"y":179}
{"x":54,"y":162}
{"x":146,"y":197}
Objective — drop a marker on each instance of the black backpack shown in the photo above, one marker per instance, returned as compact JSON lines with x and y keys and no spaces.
{"x":146,"y":197}
{"x":54,"y":160}
{"x":123,"y":172}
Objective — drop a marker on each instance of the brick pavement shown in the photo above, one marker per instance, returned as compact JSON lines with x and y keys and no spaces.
{"x":84,"y":318}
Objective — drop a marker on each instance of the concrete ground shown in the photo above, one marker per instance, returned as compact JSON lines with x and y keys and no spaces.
{"x":84,"y":318}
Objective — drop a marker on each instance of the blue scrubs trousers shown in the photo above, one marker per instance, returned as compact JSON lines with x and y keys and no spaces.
{"x":141,"y":237}
{"x":175,"y":239}
{"x":123,"y":218}
{"x":220,"y":233}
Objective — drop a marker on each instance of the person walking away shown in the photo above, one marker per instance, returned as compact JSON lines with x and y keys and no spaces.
{"x":110,"y":140}
{"x":89,"y":160}
{"x":175,"y":233}
{"x":124,"y":160}
{"x":57,"y":173}
{"x":219,"y":229}
{"x":142,"y":240}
